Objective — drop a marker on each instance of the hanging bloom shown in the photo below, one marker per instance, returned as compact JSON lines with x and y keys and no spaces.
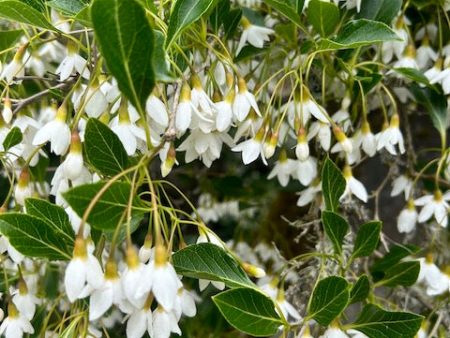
{"x":429,"y":272}
{"x":310,"y":107}
{"x":343,"y":142}
{"x":55,"y":131}
{"x":408,"y":60}
{"x":7,"y":112}
{"x":389,"y":48}
{"x":444,"y":79}
{"x":15,"y":68}
{"x":146,"y":252}
{"x":425,"y":53}
{"x":286,"y":308}
{"x":440,"y":285}
{"x":391,"y":136}
{"x":350,"y":4}
{"x":141,"y":320}
{"x":224,"y":108}
{"x":185,"y":303}
{"x":15,"y":325}
{"x":95,"y":101}
{"x":108,"y":293}
{"x":323,"y":133}
{"x":24,"y":188}
{"x":244,"y":101}
{"x":84,"y":269}
{"x":129,"y":133}
{"x":368,"y":140}
{"x":334,"y":331}
{"x":306,"y":171}
{"x":168,"y":160}
{"x":406,"y":221}
{"x":25,"y":301}
{"x":342,"y":116}
{"x":164,"y":323}
{"x":156,"y":110}
{"x":161,"y":279}
{"x":72,"y":62}
{"x":434,"y":205}
{"x":133,"y":282}
{"x":402,"y":184}
{"x":251,"y":148}
{"x":73,"y":164}
{"x":254,"y":35}
{"x":307,"y":195}
{"x":353,"y":187}
{"x":283,"y":169}
{"x":302,"y":147}
{"x":185,"y":109}
{"x":433,"y":73}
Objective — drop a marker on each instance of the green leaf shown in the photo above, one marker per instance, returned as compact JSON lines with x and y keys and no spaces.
{"x":208,"y":261}
{"x":285,"y":8}
{"x":9,"y":38}
{"x":126,"y":41}
{"x":68,"y":7}
{"x":360,"y":290}
{"x":13,"y":138}
{"x":162,"y":72}
{"x":249,"y":311}
{"x":323,"y":16}
{"x":231,"y":21}
{"x":330,"y":297}
{"x":395,"y":254}
{"x":333,"y":184}
{"x":108,"y":211}
{"x":185,"y":13}
{"x":380,"y":10}
{"x":413,"y":74}
{"x":33,"y":237}
{"x":17,"y":11}
{"x":436,"y":105}
{"x":54,"y":216}
{"x":359,"y":33}
{"x":84,"y":17}
{"x":367,"y":239}
{"x":336,"y":227}
{"x":104,"y":150}
{"x":403,"y":273}
{"x":375,"y":322}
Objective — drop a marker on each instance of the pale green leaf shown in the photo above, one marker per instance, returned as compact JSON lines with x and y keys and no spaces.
{"x":324,"y":16}
{"x":249,"y":311}
{"x":208,"y":261}
{"x":126,"y":41}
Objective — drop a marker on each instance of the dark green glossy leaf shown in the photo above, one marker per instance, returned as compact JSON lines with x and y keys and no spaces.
{"x":413,"y":74}
{"x":403,"y":273}
{"x":13,"y":138}
{"x":336,"y":227}
{"x":104,"y":150}
{"x":329,"y":298}
{"x":249,"y":311}
{"x":360,"y":290}
{"x":333,"y":184}
{"x":110,"y":207}
{"x":33,"y":237}
{"x":68,"y":7}
{"x":185,"y":13}
{"x":126,"y":41}
{"x":395,"y":254}
{"x":324,"y":16}
{"x":380,"y":10}
{"x":286,"y":9}
{"x":367,"y":239}
{"x":378,"y":323}
{"x":208,"y":261}
{"x":162,"y":72}
{"x":358,"y":33}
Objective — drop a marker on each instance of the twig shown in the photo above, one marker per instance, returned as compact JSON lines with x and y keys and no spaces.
{"x":171,"y":131}
{"x":33,"y":98}
{"x":436,"y":325}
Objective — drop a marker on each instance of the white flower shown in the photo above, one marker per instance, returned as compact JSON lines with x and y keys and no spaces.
{"x":354,"y":3}
{"x":283,"y":169}
{"x":243,"y":102}
{"x":323,"y":133}
{"x":139,"y":322}
{"x":24,"y":188}
{"x":367,"y":139}
{"x":334,"y":332}
{"x":133,"y":283}
{"x":439,"y":285}
{"x":157,"y":110}
{"x":15,"y":325}
{"x":408,"y":60}
{"x":15,"y":255}
{"x":161,"y":279}
{"x":343,"y":144}
{"x":25,"y":301}
{"x":425,"y":54}
{"x":286,"y":308}
{"x":306,"y":171}
{"x":310,"y":107}
{"x":353,"y":187}
{"x":429,"y":272}
{"x":185,"y":303}
{"x":56,"y":131}
{"x":224,"y":115}
{"x":185,"y":109}
{"x":302,"y":147}
{"x":391,"y":136}
{"x":389,"y":48}
{"x":96,"y":103}
{"x":407,"y":218}
{"x":73,"y":61}
{"x":356,"y":334}
{"x":402,"y":184}
{"x":73,"y":164}
{"x":434,"y":205}
{"x":15,"y":68}
{"x":254,"y":35}
{"x":444,"y":79}
{"x":307,"y":195}
{"x":7,"y":112}
{"x":251,"y":149}
{"x":84,"y":269}
{"x":164,"y":323}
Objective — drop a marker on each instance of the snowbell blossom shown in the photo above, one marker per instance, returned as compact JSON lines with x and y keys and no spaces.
{"x":15,"y":325}
{"x":72,"y":62}
{"x":244,"y":101}
{"x":434,"y":205}
{"x":391,"y":136}
{"x":407,"y":219}
{"x":353,"y":186}
{"x":254,"y":35}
